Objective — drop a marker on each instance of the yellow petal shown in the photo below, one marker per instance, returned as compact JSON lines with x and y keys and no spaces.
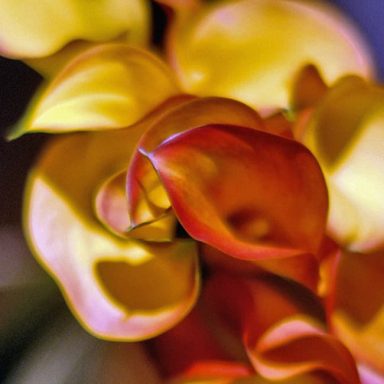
{"x":118,"y":289}
{"x":108,"y":86}
{"x":31,"y":28}
{"x":250,"y":50}
{"x":347,"y":137}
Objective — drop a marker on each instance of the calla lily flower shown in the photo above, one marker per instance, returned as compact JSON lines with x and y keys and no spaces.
{"x":241,"y":342}
{"x":42,"y":31}
{"x":108,"y":86}
{"x":146,"y":195}
{"x":345,"y":134}
{"x":288,"y":339}
{"x":190,"y":207}
{"x":250,"y":50}
{"x":118,"y":289}
{"x":239,"y":190}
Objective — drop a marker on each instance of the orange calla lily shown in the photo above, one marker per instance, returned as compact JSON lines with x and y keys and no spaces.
{"x":252,"y":195}
{"x":146,"y":196}
{"x":282,"y":333}
{"x":243,"y":50}
{"x":120,"y":289}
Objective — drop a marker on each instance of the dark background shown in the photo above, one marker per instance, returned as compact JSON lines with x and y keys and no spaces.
{"x":20,"y":323}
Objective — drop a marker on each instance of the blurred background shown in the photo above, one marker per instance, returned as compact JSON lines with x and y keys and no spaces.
{"x":39,"y":340}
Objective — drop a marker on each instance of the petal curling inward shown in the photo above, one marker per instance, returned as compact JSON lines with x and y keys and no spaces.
{"x":250,"y":50}
{"x":281,"y":331}
{"x":252,"y":195}
{"x":346,"y":135}
{"x":108,"y":86}
{"x":118,"y":289}
{"x":31,"y":29}
{"x":111,"y":208}
{"x":146,"y":195}
{"x":358,"y":308}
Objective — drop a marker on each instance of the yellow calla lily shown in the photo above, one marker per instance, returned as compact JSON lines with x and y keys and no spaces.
{"x":31,"y":29}
{"x":120,"y":289}
{"x":109,"y":86}
{"x":250,"y":50}
{"x":346,"y":135}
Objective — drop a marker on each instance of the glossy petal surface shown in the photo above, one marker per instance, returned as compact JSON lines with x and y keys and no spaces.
{"x":280,"y":329}
{"x":118,"y":289}
{"x":252,"y":195}
{"x":147,"y":197}
{"x":346,"y":135}
{"x":250,"y":50}
{"x":35,"y":29}
{"x":108,"y":86}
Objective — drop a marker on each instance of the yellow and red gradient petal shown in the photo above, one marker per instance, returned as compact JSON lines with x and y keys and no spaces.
{"x":108,"y":86}
{"x":250,"y":50}
{"x":118,"y":289}
{"x":357,"y":311}
{"x":111,"y":207}
{"x":147,"y":198}
{"x":30,"y":29}
{"x":346,"y":135}
{"x":198,"y":346}
{"x":281,"y":329}
{"x":227,"y":378}
{"x":250,"y":194}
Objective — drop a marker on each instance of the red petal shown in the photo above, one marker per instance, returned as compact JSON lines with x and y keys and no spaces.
{"x":280,"y":328}
{"x":147,"y":198}
{"x":252,"y":195}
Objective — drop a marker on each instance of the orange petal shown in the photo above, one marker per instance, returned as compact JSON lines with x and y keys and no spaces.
{"x":345,"y":134}
{"x":280,"y":329}
{"x":118,"y":289}
{"x":252,"y":195}
{"x":36,"y":29}
{"x":147,"y":197}
{"x":308,"y":89}
{"x":278,"y":124}
{"x":108,"y":86}
{"x":298,"y":345}
{"x":358,"y":310}
{"x":241,"y":49}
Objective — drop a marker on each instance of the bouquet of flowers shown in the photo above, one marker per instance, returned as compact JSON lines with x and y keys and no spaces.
{"x":217,"y":196}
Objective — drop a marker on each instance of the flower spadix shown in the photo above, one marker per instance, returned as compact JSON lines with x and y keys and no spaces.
{"x":346,"y":135}
{"x":122,"y":289}
{"x":32,"y":29}
{"x":250,"y":50}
